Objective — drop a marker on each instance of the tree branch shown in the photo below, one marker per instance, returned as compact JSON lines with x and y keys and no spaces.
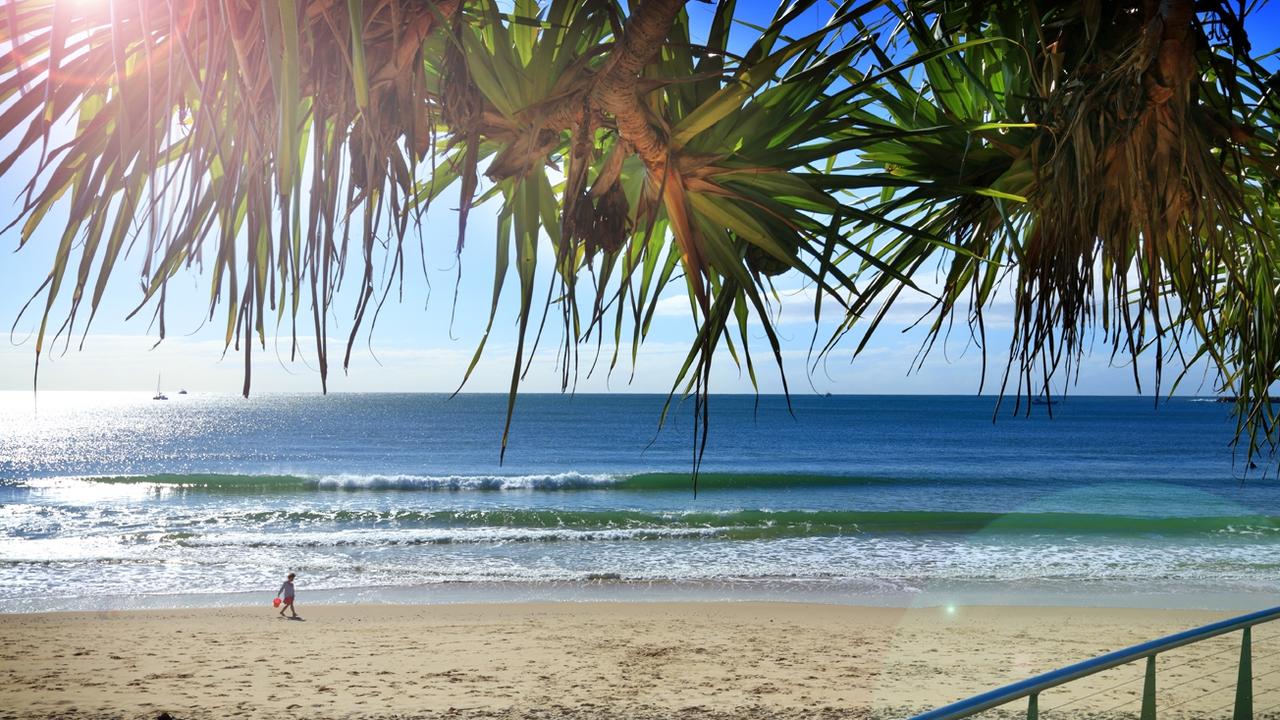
{"x":614,"y":90}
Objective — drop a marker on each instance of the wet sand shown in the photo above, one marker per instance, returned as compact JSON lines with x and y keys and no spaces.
{"x":697,"y":660}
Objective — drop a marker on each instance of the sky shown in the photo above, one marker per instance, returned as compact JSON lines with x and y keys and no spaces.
{"x":424,"y":342}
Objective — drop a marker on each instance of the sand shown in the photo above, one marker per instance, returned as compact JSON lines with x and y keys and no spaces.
{"x":702,"y":660}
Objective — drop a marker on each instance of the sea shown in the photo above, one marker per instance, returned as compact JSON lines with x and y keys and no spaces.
{"x":114,"y":500}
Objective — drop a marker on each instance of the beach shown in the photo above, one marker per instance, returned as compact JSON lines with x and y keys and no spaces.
{"x":598,"y":660}
{"x":859,"y":559}
{"x":804,"y":360}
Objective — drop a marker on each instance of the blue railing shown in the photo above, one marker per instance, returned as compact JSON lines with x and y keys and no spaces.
{"x":1033,"y":686}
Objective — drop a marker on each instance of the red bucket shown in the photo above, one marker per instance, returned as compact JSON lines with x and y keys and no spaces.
{"x":275,"y":603}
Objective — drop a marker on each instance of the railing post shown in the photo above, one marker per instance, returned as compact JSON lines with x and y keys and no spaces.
{"x":1033,"y":707}
{"x":1244,"y":681}
{"x":1149,"y":691}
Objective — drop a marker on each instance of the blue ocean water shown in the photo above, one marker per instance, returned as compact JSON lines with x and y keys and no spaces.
{"x":114,"y":500}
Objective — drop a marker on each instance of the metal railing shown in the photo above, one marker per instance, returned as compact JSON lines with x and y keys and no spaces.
{"x":1033,"y":686}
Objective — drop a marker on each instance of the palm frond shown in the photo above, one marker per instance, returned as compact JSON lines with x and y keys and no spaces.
{"x":1113,"y":161}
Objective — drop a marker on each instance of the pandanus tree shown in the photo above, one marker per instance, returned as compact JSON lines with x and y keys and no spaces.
{"x":1112,"y":163}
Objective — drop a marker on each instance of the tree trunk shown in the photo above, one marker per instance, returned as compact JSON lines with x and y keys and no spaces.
{"x":614,"y":89}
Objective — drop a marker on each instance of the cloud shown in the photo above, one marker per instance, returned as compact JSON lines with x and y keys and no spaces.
{"x":794,"y":305}
{"x":425,"y":360}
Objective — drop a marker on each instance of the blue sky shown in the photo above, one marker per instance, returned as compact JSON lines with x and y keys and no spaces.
{"x":416,"y":347}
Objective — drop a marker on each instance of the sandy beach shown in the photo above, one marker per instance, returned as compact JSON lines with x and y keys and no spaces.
{"x":598,"y":660}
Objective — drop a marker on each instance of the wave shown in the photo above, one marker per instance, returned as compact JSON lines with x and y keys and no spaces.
{"x":544,"y":525}
{"x":650,"y":481}
{"x":438,"y":536}
{"x":557,"y":481}
{"x":283,"y":484}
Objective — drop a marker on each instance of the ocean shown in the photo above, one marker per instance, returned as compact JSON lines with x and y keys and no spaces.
{"x":113,"y":500}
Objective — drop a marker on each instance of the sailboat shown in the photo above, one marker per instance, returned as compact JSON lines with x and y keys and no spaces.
{"x":159,"y":395}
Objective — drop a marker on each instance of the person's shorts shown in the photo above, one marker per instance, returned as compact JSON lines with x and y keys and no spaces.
{"x":288,"y":599}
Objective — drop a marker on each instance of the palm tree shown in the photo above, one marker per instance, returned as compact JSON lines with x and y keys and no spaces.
{"x":1114,"y":161}
{"x":1140,"y":140}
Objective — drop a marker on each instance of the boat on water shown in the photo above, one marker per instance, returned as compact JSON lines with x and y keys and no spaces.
{"x":159,"y":395}
{"x":182,"y":392}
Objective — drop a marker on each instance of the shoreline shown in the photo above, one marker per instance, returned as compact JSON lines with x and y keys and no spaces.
{"x":934,"y":594}
{"x":704,"y":660}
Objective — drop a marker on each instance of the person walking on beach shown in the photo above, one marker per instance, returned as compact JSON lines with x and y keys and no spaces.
{"x":287,"y":591}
